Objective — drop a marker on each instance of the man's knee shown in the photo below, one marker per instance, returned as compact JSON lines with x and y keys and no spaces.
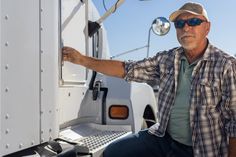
{"x":120,"y":147}
{"x":110,"y":150}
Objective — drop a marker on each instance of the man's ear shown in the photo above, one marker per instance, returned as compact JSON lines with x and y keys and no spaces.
{"x":208,"y":27}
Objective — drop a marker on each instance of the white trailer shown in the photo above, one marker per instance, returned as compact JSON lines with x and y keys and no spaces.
{"x":50,"y":108}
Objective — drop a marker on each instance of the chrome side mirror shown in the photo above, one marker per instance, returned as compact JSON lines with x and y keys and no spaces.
{"x":161,"y":26}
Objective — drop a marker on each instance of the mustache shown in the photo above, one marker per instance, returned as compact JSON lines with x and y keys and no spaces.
{"x":187,"y":35}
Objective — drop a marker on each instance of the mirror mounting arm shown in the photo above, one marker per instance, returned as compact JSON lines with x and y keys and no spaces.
{"x":148,"y":44}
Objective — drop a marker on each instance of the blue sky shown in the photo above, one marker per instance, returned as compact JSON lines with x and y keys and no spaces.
{"x":128,"y":27}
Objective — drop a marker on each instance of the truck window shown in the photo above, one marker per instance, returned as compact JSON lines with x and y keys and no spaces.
{"x":73,"y":25}
{"x":98,"y":44}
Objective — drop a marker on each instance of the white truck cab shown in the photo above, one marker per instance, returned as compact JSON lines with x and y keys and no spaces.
{"x":54,"y":108}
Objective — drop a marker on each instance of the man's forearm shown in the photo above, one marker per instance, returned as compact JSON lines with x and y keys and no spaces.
{"x":107,"y":67}
{"x":232,"y":147}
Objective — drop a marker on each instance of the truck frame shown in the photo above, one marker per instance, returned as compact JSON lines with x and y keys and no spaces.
{"x":51,"y":108}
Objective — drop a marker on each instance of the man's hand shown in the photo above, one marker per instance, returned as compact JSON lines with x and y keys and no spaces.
{"x":71,"y":55}
{"x":107,"y":67}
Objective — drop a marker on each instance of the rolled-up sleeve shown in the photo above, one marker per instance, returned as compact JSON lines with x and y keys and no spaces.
{"x":142,"y":71}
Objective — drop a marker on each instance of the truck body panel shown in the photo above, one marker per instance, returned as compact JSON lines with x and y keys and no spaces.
{"x":20,"y":64}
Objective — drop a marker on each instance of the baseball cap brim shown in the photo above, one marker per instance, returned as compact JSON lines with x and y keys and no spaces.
{"x":175,"y":14}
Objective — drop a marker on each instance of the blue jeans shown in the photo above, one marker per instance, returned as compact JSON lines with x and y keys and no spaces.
{"x":143,"y":144}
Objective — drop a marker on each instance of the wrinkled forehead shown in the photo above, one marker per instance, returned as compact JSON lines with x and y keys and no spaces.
{"x":189,"y":16}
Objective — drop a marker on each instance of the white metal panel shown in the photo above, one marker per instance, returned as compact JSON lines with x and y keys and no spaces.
{"x":70,"y":103}
{"x":0,"y":70}
{"x":73,"y":25}
{"x":49,"y":69}
{"x":135,"y":95}
{"x":76,"y":102}
{"x":141,"y":95}
{"x":74,"y":19}
{"x":20,"y":75}
{"x":119,"y":94}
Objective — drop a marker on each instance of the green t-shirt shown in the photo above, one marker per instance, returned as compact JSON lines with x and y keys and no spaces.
{"x":179,"y":123}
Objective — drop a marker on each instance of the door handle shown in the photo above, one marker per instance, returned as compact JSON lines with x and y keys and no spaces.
{"x":96,"y":89}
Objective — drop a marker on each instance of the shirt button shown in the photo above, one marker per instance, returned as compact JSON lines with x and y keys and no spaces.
{"x":197,"y":151}
{"x":191,"y":123}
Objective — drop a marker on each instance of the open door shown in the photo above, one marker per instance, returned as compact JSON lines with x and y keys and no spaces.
{"x":79,"y":90}
{"x":73,"y":34}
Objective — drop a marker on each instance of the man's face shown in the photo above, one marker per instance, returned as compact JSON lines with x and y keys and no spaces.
{"x":191,"y":37}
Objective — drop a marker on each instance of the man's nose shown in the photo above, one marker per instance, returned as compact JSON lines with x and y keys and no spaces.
{"x":186,"y":27}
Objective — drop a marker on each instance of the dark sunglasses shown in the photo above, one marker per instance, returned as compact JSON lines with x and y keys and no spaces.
{"x":191,"y":22}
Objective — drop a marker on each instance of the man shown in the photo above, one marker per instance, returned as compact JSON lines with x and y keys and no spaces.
{"x":196,"y":99}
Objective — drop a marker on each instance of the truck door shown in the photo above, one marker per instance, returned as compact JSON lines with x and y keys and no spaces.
{"x":73,"y":78}
{"x":73,"y":22}
{"x":80,"y":96}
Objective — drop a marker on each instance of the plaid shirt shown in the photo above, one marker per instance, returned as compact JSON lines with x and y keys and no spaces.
{"x":212,"y":98}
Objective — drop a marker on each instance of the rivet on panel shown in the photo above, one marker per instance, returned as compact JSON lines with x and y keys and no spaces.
{"x":6,"y":17}
{"x":41,"y":9}
{"x":50,"y":111}
{"x":7,"y":146}
{"x":41,"y":112}
{"x":7,"y":131}
{"x":41,"y":131}
{"x":32,"y":142}
{"x":6,"y":90}
{"x":41,"y":51}
{"x":6,"y":44}
{"x":41,"y":90}
{"x":41,"y":28}
{"x":21,"y":145}
{"x":7,"y":67}
{"x":41,"y":70}
{"x":50,"y":130}
{"x":7,"y":116}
